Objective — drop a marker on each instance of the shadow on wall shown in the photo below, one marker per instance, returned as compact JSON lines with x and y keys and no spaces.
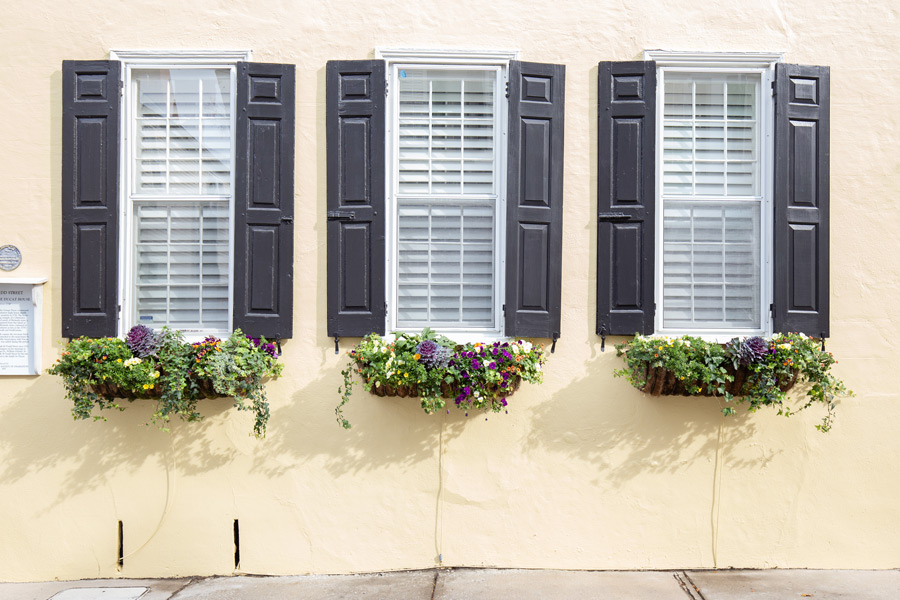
{"x":628,"y":434}
{"x":89,"y":455}
{"x":386,"y":432}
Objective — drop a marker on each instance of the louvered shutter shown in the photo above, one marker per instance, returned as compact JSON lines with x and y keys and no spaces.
{"x":355,"y":136}
{"x":626,"y":197}
{"x":801,"y":199}
{"x":534,"y":199}
{"x":264,"y":200}
{"x":90,"y":182}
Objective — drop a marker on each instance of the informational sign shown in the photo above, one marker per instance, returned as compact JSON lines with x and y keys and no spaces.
{"x":10,"y":257}
{"x":20,"y":339}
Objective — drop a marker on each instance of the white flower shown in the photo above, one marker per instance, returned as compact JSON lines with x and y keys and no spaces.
{"x":383,"y":349}
{"x":132,"y":361}
{"x":526,"y":346}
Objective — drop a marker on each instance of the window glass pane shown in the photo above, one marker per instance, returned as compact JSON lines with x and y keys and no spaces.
{"x":181,"y":264}
{"x":446,"y":121}
{"x":445,"y":273}
{"x":182,"y":131}
{"x":711,"y":265}
{"x":710,"y":138}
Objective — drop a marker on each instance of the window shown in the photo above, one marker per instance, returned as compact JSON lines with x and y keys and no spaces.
{"x":444,"y":194}
{"x":177,"y":194}
{"x":714,"y":130}
{"x":446,"y":135}
{"x":179,"y":161}
{"x":712,"y":195}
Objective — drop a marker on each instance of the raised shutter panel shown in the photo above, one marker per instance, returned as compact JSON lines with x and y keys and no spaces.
{"x":90,"y":188}
{"x":534,"y":199}
{"x":801,"y":199}
{"x":355,"y":130}
{"x":264,"y":200}
{"x":626,"y":197}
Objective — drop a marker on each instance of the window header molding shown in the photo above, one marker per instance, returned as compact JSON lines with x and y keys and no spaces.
{"x":211,"y":57}
{"x":446,"y":56}
{"x":680,"y":58}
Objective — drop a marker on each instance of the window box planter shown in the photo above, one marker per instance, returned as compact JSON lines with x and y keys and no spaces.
{"x":435,"y":369}
{"x":752,"y":370}
{"x":664,"y":382}
{"x":160,"y":365}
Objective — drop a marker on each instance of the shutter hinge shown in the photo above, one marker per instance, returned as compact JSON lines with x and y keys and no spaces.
{"x":504,"y":310}
{"x":119,"y":308}
{"x":603,"y":339}
{"x":773,"y":88}
{"x":507,"y":89}
{"x":387,"y":82}
{"x":121,"y":87}
{"x":772,"y":310}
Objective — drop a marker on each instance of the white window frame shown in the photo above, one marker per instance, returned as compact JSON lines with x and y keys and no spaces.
{"x":396,"y":59}
{"x":762,"y":63}
{"x":165,"y":59}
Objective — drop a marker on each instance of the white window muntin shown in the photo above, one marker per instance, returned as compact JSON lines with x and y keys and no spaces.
{"x":498,"y":198}
{"x":765,"y":132}
{"x":141,"y":61}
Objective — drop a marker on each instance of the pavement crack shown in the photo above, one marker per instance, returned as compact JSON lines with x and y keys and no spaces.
{"x":434,"y":584}
{"x":687,"y":584}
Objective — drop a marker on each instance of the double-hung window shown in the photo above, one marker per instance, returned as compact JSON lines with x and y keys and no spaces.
{"x":714,"y":198}
{"x":180,"y":196}
{"x":444,"y":194}
{"x":177,"y":194}
{"x":446,"y":138}
{"x":713,"y":195}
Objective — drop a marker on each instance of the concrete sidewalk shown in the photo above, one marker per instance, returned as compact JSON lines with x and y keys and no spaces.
{"x":485,"y":584}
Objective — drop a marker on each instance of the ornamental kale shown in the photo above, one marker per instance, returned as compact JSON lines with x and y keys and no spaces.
{"x":748,"y":351}
{"x":142,"y":341}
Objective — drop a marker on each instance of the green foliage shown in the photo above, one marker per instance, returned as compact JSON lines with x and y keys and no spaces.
{"x":705,"y":367}
{"x":97,"y":370}
{"x":475,"y":376}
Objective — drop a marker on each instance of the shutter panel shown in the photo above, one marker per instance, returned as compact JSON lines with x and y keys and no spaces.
{"x":355,"y":132}
{"x":801,"y":199}
{"x":626,"y":197}
{"x":264,"y":200}
{"x":534,"y":199}
{"x":90,"y":188}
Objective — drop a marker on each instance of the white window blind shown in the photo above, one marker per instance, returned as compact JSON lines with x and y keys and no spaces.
{"x":447,"y":196}
{"x":711,"y":197}
{"x":181,"y":172}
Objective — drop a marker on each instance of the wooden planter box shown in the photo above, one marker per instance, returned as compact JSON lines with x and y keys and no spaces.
{"x":111,"y":390}
{"x":447,"y":391}
{"x":662,"y":382}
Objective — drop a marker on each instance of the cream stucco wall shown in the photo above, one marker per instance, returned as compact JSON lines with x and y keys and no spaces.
{"x":584,"y":472}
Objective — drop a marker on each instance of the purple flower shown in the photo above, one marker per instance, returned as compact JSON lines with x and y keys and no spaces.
{"x":492,"y":366}
{"x":475,"y":364}
{"x":467,"y":390}
{"x":503,"y":401}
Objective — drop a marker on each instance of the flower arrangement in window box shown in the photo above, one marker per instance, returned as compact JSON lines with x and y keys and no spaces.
{"x":434,"y":369}
{"x":97,"y":372}
{"x":754,"y":370}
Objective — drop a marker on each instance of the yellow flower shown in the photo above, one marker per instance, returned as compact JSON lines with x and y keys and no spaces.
{"x":156,"y":374}
{"x":406,"y":374}
{"x":146,"y":387}
{"x":118,"y":360}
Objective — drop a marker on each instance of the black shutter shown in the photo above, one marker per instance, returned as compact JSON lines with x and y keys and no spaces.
{"x":90,"y":189}
{"x":355,"y":129}
{"x":801,"y":199}
{"x":626,"y":197}
{"x":534,"y":199}
{"x":264,"y":200}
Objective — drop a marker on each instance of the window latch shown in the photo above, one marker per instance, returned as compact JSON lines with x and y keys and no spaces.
{"x":341,"y":215}
{"x":613,"y":216}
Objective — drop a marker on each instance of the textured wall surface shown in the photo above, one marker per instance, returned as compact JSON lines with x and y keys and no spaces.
{"x":584,"y":472}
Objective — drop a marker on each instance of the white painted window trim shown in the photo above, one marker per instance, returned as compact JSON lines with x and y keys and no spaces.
{"x":723,"y":62}
{"x":444,"y":59}
{"x":165,"y":59}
